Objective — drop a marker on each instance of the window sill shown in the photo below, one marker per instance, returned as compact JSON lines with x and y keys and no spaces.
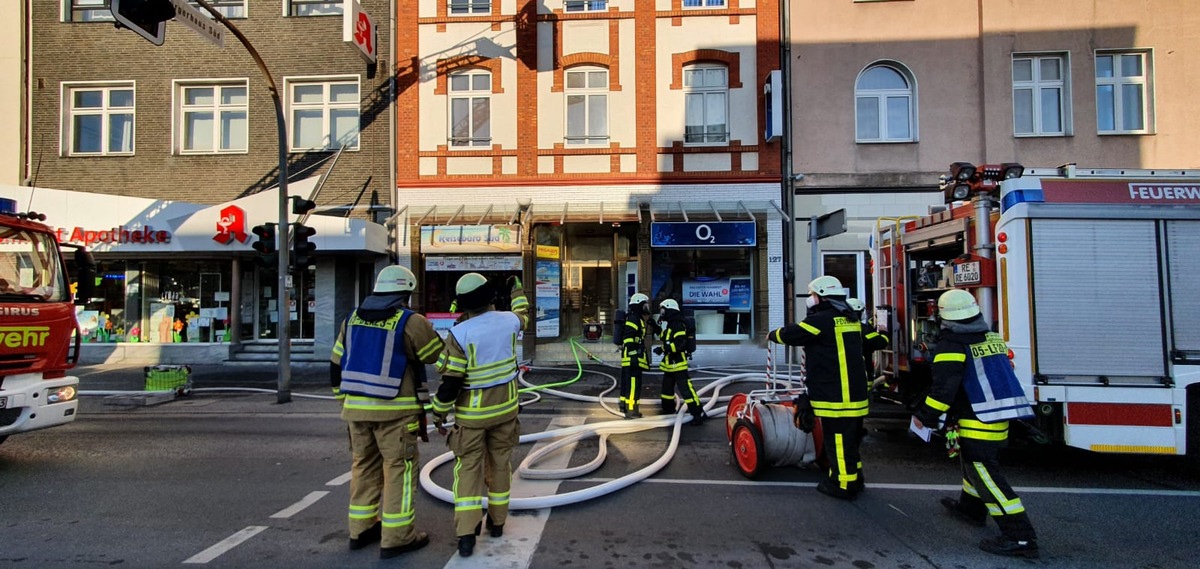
{"x":886,"y":141}
{"x":101,"y":155}
{"x":319,"y":150}
{"x":1126,"y":133}
{"x":1052,"y":135}
{"x":210,"y":152}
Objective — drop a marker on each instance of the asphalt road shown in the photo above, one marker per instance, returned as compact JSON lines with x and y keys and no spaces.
{"x":234,"y":479}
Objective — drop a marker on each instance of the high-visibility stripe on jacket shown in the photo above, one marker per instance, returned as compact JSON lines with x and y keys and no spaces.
{"x":375,"y":368}
{"x":633,"y":342}
{"x":834,"y":363}
{"x":674,"y":342}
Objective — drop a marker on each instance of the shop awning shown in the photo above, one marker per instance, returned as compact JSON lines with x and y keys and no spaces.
{"x":563,"y":211}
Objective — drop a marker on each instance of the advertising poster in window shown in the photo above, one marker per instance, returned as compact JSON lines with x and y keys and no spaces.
{"x":739,"y":294}
{"x":702,"y":291}
{"x":548,"y":291}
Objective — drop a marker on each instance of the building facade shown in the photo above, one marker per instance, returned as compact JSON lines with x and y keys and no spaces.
{"x":887,"y":94}
{"x":181,"y":142}
{"x":598,"y":148}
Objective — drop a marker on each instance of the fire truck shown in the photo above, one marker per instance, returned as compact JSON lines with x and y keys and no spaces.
{"x":39,"y":336}
{"x":1092,"y":276}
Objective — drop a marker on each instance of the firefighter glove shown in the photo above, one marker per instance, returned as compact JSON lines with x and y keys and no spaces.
{"x":514,"y":282}
{"x":804,"y":417}
{"x":337,"y":394}
{"x":439,"y":422}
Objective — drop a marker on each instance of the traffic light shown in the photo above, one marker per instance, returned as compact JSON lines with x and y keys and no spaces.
{"x":265,"y":246}
{"x":302,"y":248}
{"x":147,"y":18}
{"x":301,"y":206}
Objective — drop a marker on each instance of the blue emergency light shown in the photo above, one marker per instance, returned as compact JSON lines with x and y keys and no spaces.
{"x":8,"y":205}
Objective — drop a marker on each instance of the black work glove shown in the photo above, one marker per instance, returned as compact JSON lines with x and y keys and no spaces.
{"x":658,"y":350}
{"x":514,"y":282}
{"x":804,"y":417}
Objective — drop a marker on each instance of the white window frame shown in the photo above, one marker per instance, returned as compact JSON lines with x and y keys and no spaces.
{"x":588,"y":93}
{"x":326,"y":107}
{"x":1036,"y":84}
{"x":290,"y":8}
{"x":468,"y":7}
{"x":98,"y":9}
{"x":706,"y":91}
{"x":1118,"y":81}
{"x":703,"y":4}
{"x":882,"y":96}
{"x":471,"y":95}
{"x":585,"y":5}
{"x":178,"y":125}
{"x":226,"y":8}
{"x":67,"y":140}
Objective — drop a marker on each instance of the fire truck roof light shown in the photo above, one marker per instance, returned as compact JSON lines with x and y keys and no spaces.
{"x":8,"y":205}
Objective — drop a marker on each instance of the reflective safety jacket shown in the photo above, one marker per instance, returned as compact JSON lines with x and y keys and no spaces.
{"x":674,"y":343}
{"x":377,"y":361}
{"x":633,"y":342}
{"x":833,"y":355}
{"x":479,"y":367}
{"x":974,"y":383}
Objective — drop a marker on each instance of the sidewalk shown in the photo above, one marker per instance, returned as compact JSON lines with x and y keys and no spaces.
{"x":309,"y":377}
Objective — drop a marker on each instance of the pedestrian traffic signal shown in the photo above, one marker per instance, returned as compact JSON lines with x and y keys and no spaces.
{"x":302,"y":248}
{"x":147,"y":18}
{"x":301,"y":206}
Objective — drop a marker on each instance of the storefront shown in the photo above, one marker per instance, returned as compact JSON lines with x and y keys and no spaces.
{"x":179,"y":283}
{"x":582,"y":259}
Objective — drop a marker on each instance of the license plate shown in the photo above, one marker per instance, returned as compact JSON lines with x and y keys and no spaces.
{"x":3,"y":403}
{"x":967,"y":273}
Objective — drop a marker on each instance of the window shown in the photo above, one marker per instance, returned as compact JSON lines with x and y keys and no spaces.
{"x":585,"y":5}
{"x":1122,"y":104}
{"x":703,"y":3}
{"x":99,"y":119}
{"x":212,"y":118}
{"x":88,"y":11}
{"x":471,"y":108}
{"x":587,"y":106}
{"x":324,"y":115}
{"x":883,"y":109}
{"x":227,"y":8}
{"x":314,"y":7}
{"x":1040,"y":97}
{"x":706,"y":90}
{"x":465,"y":7}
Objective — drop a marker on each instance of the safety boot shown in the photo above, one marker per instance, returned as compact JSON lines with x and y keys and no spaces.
{"x":367,"y":537}
{"x":956,"y":509}
{"x":832,"y":490}
{"x":466,"y":545}
{"x":698,"y":417}
{"x":1007,"y":547}
{"x":421,"y":540}
{"x":493,"y":529}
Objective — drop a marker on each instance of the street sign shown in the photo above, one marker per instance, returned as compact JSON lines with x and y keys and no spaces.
{"x":359,"y":29}
{"x":145,"y":18}
{"x":828,"y":225}
{"x":207,"y":27}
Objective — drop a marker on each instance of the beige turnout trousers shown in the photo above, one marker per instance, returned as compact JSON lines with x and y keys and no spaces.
{"x":385,"y":468}
{"x":482,"y":462}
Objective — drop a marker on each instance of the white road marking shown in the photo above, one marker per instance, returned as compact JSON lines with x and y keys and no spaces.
{"x":298,"y":507}
{"x":522,"y":532}
{"x":340,"y":480}
{"x":225,"y":545}
{"x":924,"y":487}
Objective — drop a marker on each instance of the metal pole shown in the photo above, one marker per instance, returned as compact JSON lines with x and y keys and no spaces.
{"x":983,"y":248}
{"x":284,"y":388}
{"x":816,"y":249}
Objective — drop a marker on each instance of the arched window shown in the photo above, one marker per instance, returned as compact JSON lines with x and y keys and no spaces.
{"x":706,"y":95}
{"x":587,"y":105}
{"x":470,"y":108}
{"x":884,"y":108}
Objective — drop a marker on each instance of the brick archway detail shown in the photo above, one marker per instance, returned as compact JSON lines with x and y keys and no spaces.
{"x":732,"y":60}
{"x":463,"y":62}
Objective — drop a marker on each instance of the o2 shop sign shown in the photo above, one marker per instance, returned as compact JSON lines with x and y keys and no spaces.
{"x":703,"y":234}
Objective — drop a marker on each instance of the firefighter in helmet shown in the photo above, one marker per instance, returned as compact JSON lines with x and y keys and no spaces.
{"x":974,"y":385}
{"x":479,"y":372}
{"x":832,"y":338}
{"x":377,"y":369}
{"x":633,"y":353}
{"x":677,"y":346}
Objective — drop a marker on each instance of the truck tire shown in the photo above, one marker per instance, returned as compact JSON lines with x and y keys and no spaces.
{"x":1193,"y":423}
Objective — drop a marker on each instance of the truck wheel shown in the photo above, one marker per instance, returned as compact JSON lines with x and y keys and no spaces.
{"x":748,"y":449}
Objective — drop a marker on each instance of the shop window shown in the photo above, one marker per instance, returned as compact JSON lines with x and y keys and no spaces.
{"x":712,"y":285}
{"x":158,"y":302}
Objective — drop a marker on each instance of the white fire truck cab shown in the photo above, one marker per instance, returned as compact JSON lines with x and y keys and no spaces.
{"x":1091,"y":276}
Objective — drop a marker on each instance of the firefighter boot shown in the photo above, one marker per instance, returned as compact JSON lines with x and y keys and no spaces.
{"x":367,"y":537}
{"x":698,"y":415}
{"x":421,"y":540}
{"x":1007,"y":547}
{"x":668,"y":406}
{"x":956,"y":508}
{"x":466,"y":545}
{"x":493,"y":529}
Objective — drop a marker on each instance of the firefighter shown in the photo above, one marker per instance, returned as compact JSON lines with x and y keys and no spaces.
{"x":633,"y":353}
{"x":377,"y":368}
{"x":677,"y":346}
{"x":479,"y":372}
{"x":974,"y":384}
{"x":832,"y":338}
